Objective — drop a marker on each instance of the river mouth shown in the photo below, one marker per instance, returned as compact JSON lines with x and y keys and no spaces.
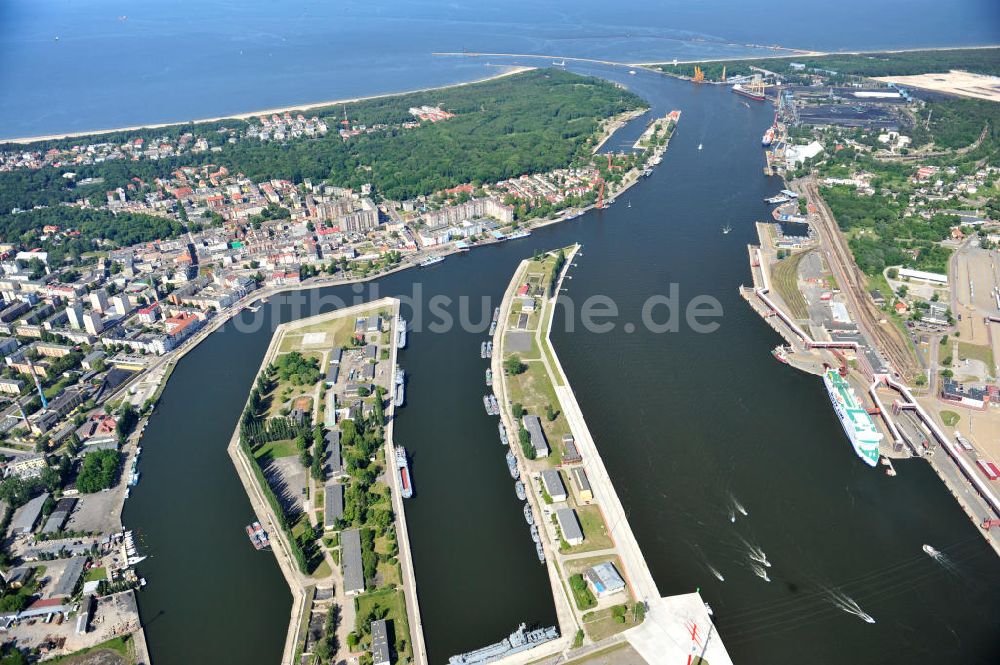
{"x":689,"y":425}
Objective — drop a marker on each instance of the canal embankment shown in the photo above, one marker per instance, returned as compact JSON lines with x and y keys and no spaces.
{"x":663,"y":622}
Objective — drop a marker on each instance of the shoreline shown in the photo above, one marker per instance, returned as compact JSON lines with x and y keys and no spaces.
{"x":27,"y":140}
{"x":957,"y":481}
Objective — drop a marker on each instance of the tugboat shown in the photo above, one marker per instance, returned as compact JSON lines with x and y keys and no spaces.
{"x":258,"y":537}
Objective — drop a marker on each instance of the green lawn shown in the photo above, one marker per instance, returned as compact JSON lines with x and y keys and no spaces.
{"x":394,"y":601}
{"x":595,"y":533}
{"x":950,"y":418}
{"x":975,"y":352}
{"x":96,"y":574}
{"x":602,"y":624}
{"x":122,"y":646}
{"x":322,"y":570}
{"x":275,"y":449}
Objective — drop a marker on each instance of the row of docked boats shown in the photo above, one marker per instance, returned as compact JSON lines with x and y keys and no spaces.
{"x":258,"y":537}
{"x":132,"y":556}
{"x":491,"y":404}
{"x":133,"y":474}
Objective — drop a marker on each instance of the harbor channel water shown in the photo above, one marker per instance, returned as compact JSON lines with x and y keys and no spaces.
{"x":720,"y":454}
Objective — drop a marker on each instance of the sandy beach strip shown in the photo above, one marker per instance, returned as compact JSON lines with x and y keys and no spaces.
{"x":253,"y":114}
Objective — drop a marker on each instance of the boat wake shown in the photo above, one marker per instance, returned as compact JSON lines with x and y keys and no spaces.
{"x":942,"y":558}
{"x":737,"y":506}
{"x":760,"y":572}
{"x":847,"y":604}
{"x":756,"y":554}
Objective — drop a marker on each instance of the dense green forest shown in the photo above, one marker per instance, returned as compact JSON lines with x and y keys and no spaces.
{"x":979,"y":61}
{"x":880,"y":236}
{"x":122,"y":229}
{"x":529,"y":122}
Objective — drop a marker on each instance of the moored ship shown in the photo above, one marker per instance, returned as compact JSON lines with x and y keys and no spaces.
{"x":768,"y":137}
{"x":400,"y":332}
{"x":503,"y":434}
{"x":400,"y":395}
{"x":520,"y":640}
{"x":403,"y":466}
{"x":857,"y":423}
{"x":512,"y":466}
{"x":753,"y":90}
{"x":519,"y":234}
{"x":258,"y":537}
{"x":431,"y":261}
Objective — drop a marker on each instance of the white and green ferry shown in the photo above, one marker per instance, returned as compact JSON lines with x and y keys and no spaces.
{"x":857,"y":423}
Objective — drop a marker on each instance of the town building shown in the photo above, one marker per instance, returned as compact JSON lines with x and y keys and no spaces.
{"x":583,"y":489}
{"x":570,"y":526}
{"x":350,"y":561}
{"x":534,"y":426}
{"x":333,"y":497}
{"x":380,"y":643}
{"x":604,"y":579}
{"x":553,"y":484}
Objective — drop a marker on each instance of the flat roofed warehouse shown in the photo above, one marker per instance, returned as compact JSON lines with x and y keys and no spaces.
{"x":27,"y":515}
{"x":67,"y":581}
{"x":350,"y":560}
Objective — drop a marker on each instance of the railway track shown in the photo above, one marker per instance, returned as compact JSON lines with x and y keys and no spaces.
{"x":887,"y":339}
